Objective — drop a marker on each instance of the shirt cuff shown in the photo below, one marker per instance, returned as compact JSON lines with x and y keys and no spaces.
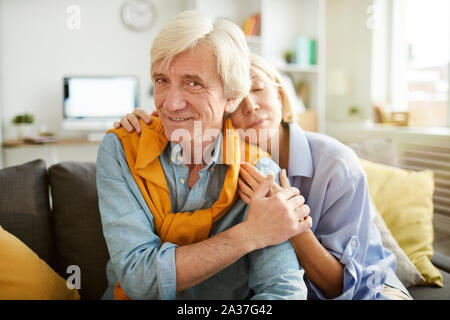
{"x":166,"y":271}
{"x":352,"y":273}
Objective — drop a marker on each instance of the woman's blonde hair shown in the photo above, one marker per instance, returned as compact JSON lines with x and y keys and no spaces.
{"x":287,"y":111}
{"x":190,"y":28}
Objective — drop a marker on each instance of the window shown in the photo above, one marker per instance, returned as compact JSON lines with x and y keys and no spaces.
{"x":417,"y":39}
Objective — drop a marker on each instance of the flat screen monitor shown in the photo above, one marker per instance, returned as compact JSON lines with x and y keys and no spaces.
{"x":100,"y":97}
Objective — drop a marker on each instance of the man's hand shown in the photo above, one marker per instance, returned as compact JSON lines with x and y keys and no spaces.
{"x":131,"y":121}
{"x":275,"y":218}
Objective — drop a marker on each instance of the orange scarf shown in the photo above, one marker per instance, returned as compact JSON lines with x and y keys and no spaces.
{"x":142,"y":152}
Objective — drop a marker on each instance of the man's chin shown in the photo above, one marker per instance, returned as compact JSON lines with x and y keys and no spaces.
{"x":178,"y":135}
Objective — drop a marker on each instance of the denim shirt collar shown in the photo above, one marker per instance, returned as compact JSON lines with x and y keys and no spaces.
{"x":300,"y":158}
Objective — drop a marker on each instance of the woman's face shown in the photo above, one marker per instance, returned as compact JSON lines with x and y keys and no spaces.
{"x":259,"y":114}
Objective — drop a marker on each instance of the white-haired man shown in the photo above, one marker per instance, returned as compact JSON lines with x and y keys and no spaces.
{"x":173,"y":225}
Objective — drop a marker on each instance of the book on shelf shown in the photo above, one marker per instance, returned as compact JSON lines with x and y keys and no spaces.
{"x":251,"y":25}
{"x":305,"y":51}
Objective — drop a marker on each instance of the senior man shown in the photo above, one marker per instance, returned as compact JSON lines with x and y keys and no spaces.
{"x":174,"y":226}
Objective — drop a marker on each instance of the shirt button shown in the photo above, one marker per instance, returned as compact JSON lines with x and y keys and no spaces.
{"x":350,"y":251}
{"x":182,"y":180}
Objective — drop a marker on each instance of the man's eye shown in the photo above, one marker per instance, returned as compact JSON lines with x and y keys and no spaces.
{"x":160,"y":80}
{"x":194,"y":84}
{"x":257,"y":89}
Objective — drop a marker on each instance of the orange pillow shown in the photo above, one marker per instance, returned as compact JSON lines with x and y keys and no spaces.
{"x":24,"y":276}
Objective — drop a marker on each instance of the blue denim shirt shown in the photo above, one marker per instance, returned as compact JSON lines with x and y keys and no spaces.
{"x":145,"y":268}
{"x":330,"y":177}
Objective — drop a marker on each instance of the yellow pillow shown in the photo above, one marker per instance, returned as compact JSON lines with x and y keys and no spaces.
{"x":24,"y":276}
{"x":404,"y":199}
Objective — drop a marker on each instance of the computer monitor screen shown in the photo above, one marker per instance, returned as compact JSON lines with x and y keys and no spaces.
{"x":100,"y":97}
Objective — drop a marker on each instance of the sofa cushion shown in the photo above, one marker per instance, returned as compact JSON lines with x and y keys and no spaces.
{"x":77,"y":225}
{"x":441,"y":261}
{"x":25,"y":208}
{"x":405,"y":269}
{"x":404,"y":199}
{"x":434,"y":292}
{"x":379,"y":150}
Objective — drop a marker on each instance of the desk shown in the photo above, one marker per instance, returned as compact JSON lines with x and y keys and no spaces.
{"x":15,"y":152}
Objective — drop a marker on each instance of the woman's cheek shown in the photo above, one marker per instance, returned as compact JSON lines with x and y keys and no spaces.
{"x":235,"y":120}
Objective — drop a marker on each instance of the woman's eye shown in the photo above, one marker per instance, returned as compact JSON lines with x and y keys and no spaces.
{"x":257,"y":89}
{"x":257,"y":85}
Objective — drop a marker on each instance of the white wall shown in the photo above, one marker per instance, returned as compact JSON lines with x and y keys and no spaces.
{"x":37,"y":50}
{"x":349,"y":46}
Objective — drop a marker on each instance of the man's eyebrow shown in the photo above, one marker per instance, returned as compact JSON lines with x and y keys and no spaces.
{"x":156,"y":75}
{"x":193,"y":77}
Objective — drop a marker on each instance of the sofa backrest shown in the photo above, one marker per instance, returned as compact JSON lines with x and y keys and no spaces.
{"x":25,"y":207}
{"x":77,"y":225}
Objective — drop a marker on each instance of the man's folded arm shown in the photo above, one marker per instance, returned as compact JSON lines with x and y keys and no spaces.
{"x":144,"y":268}
{"x":276,"y":275}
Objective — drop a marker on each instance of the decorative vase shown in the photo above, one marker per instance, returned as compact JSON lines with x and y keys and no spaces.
{"x":24,"y":130}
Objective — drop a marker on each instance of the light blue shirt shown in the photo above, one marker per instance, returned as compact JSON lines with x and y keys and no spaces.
{"x":332,"y":180}
{"x":145,"y":268}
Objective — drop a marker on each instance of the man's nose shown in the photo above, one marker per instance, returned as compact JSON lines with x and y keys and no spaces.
{"x":174,"y":100}
{"x":249,"y":105}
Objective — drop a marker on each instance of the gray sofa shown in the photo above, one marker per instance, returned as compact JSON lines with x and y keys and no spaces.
{"x":55,"y":213}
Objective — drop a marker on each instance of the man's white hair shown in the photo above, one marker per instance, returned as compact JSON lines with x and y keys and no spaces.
{"x":226,"y":39}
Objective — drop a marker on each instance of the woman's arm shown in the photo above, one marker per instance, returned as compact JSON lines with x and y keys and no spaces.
{"x":320,"y":266}
{"x":199,"y":261}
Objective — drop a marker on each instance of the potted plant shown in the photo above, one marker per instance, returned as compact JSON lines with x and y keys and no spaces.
{"x":288,"y":56}
{"x":24,"y":124}
{"x":354,"y":113}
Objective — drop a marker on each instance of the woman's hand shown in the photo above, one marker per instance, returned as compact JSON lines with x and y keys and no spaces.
{"x":320,"y":266}
{"x":274,"y":219}
{"x":131,"y":121}
{"x":250,"y":179}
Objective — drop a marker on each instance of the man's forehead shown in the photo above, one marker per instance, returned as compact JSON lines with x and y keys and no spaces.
{"x":196,"y":62}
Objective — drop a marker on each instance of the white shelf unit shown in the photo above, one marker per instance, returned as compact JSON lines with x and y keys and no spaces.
{"x":282,"y":21}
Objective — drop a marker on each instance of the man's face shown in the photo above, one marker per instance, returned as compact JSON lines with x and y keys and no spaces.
{"x":190,"y":90}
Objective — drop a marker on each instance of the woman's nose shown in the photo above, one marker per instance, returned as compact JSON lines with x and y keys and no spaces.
{"x":250,"y":105}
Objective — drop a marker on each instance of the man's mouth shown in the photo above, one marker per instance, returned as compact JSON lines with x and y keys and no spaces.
{"x":177,"y":119}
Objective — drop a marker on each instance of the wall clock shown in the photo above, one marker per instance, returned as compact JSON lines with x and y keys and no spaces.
{"x":138,"y":15}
